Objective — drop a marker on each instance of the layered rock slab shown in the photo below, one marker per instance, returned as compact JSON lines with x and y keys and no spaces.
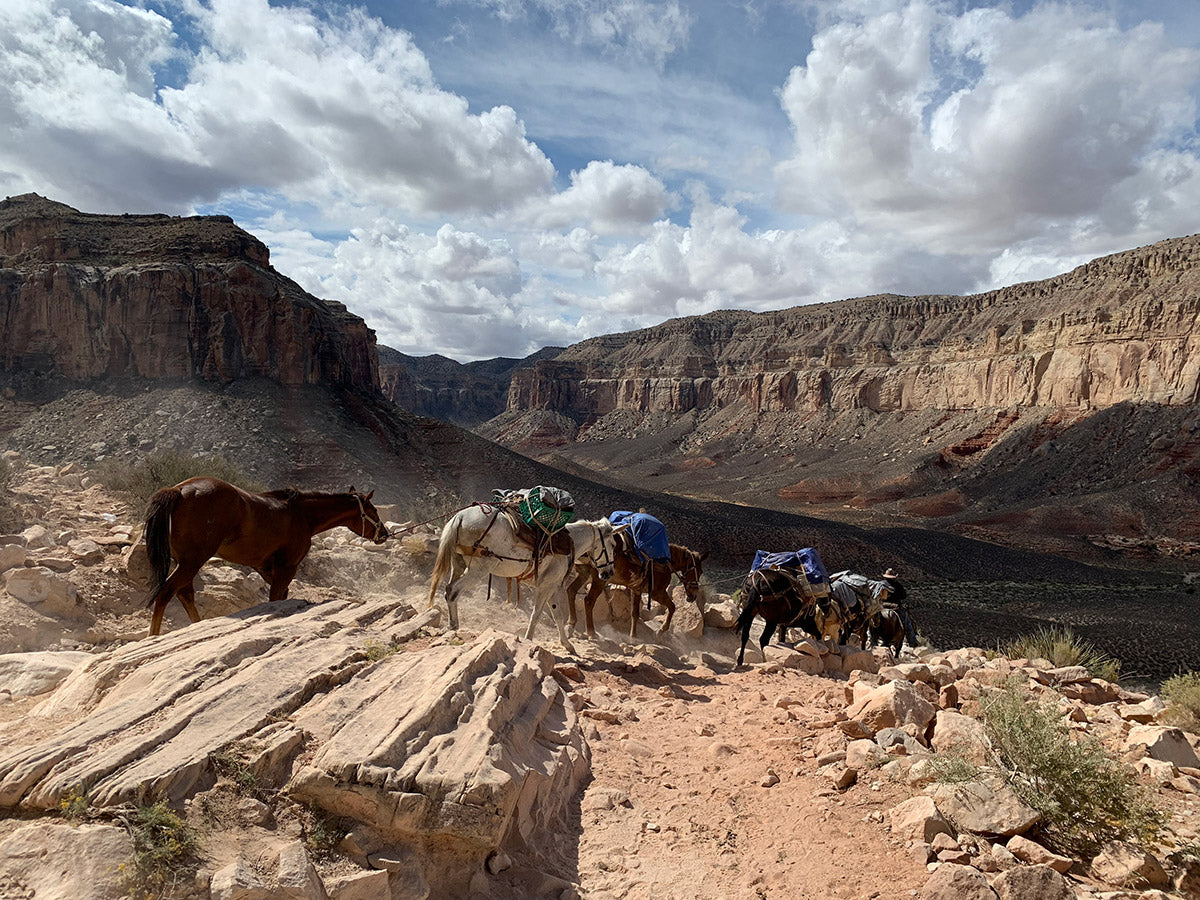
{"x":445,"y":755}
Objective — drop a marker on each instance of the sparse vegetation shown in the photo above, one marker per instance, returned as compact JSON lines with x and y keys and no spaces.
{"x":75,"y":806}
{"x":166,"y":468}
{"x":950,"y":768}
{"x":376,"y":650}
{"x":1086,"y":796}
{"x":1062,"y":647}
{"x":230,"y":764}
{"x":323,"y":831}
{"x":1181,"y":693}
{"x":164,"y":852}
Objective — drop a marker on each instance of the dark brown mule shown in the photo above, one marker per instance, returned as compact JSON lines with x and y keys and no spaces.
{"x":271,"y":533}
{"x":630,"y":571}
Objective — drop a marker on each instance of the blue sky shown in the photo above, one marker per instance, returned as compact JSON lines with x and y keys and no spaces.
{"x":485,"y":177}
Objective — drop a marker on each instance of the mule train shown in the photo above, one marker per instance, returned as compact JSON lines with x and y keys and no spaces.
{"x":494,"y":539}
{"x":833,"y":609}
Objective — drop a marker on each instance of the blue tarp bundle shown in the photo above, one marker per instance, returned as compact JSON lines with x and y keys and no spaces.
{"x":649,"y":534}
{"x":807,"y":559}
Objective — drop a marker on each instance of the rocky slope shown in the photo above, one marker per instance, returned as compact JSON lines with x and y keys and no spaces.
{"x":464,"y":394}
{"x":342,"y":745}
{"x":158,"y":296}
{"x":1072,"y":400}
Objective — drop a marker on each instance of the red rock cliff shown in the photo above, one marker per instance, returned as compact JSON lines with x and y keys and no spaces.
{"x":1121,"y":328}
{"x":154,"y":296}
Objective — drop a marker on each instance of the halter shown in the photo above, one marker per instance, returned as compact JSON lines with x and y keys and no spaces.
{"x":369,"y":519}
{"x":692,"y":568}
{"x":608,"y":562}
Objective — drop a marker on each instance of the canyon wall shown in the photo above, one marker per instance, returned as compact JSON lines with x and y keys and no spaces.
{"x":1123,"y":328}
{"x":85,"y":296}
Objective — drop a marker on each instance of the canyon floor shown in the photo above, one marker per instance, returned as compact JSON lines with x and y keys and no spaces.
{"x":704,"y":776}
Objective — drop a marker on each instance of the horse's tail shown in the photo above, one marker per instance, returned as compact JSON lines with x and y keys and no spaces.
{"x":158,"y":534}
{"x":445,"y":557}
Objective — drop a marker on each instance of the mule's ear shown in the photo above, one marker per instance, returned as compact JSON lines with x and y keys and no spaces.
{"x":370,"y":495}
{"x":352,"y":489}
{"x":704,"y":555}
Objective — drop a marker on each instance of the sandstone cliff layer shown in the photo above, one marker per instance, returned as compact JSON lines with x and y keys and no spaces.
{"x":1054,"y":414}
{"x":153,"y":296}
{"x":463,"y":393}
{"x":1120,"y":328}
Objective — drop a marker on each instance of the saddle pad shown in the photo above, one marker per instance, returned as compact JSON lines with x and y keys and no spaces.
{"x":649,"y":534}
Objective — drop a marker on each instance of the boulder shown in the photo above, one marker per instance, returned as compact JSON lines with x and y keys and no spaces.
{"x":855,"y":660}
{"x":987,"y":806}
{"x":296,"y":877}
{"x":40,"y":588}
{"x":956,"y":882}
{"x":86,"y":551}
{"x":1032,"y":883}
{"x":918,"y":819}
{"x":64,"y":862}
{"x":1127,"y":865}
{"x":239,"y":880}
{"x":721,"y":614}
{"x":954,"y":733}
{"x":1161,"y":742}
{"x":12,"y":556}
{"x":890,"y":705}
{"x":865,"y":754}
{"x":1036,"y":855}
{"x":38,"y":537}
{"x":688,"y":619}
{"x":30,"y":674}
{"x":364,"y":885}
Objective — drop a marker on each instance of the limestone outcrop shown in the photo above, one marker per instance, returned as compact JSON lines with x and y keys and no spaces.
{"x":156,"y":296}
{"x":1123,"y":328}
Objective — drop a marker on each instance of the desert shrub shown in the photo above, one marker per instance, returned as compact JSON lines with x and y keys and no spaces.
{"x":75,"y":806}
{"x":323,"y":831}
{"x":1085,"y":796}
{"x":1181,"y":693}
{"x":164,"y":852}
{"x":951,"y":768}
{"x":166,"y":468}
{"x":1063,"y":647}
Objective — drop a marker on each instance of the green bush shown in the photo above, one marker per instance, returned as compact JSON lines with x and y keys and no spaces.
{"x":1181,"y":693}
{"x":1086,"y":797}
{"x":164,"y":853}
{"x":1063,"y":647}
{"x":167,"y":468}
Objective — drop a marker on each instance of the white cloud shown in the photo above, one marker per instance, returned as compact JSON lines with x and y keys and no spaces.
{"x":1029,"y":126}
{"x":653,"y":29}
{"x":607,"y":198}
{"x":276,"y":98}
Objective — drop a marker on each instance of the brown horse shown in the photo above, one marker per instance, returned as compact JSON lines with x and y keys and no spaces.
{"x":271,"y":533}
{"x":633,"y":573}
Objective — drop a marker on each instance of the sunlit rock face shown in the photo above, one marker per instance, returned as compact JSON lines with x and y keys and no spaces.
{"x":154,"y":296}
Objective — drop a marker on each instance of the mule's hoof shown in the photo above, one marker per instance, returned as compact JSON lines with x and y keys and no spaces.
{"x":568,"y":648}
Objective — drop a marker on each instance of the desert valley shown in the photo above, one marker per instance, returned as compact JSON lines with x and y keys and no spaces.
{"x":1026,"y":459}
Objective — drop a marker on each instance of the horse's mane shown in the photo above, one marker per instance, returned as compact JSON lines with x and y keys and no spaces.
{"x":287,"y":494}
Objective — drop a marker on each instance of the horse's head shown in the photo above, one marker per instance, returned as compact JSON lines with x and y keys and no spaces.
{"x":603,"y":554}
{"x":687,"y":564}
{"x":369,"y":525}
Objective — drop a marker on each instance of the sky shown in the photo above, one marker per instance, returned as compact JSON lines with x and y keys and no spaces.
{"x":482,"y":178}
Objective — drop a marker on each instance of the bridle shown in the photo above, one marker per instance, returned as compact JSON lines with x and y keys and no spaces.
{"x":692,"y":569}
{"x":381,"y":532}
{"x":607,"y":562}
